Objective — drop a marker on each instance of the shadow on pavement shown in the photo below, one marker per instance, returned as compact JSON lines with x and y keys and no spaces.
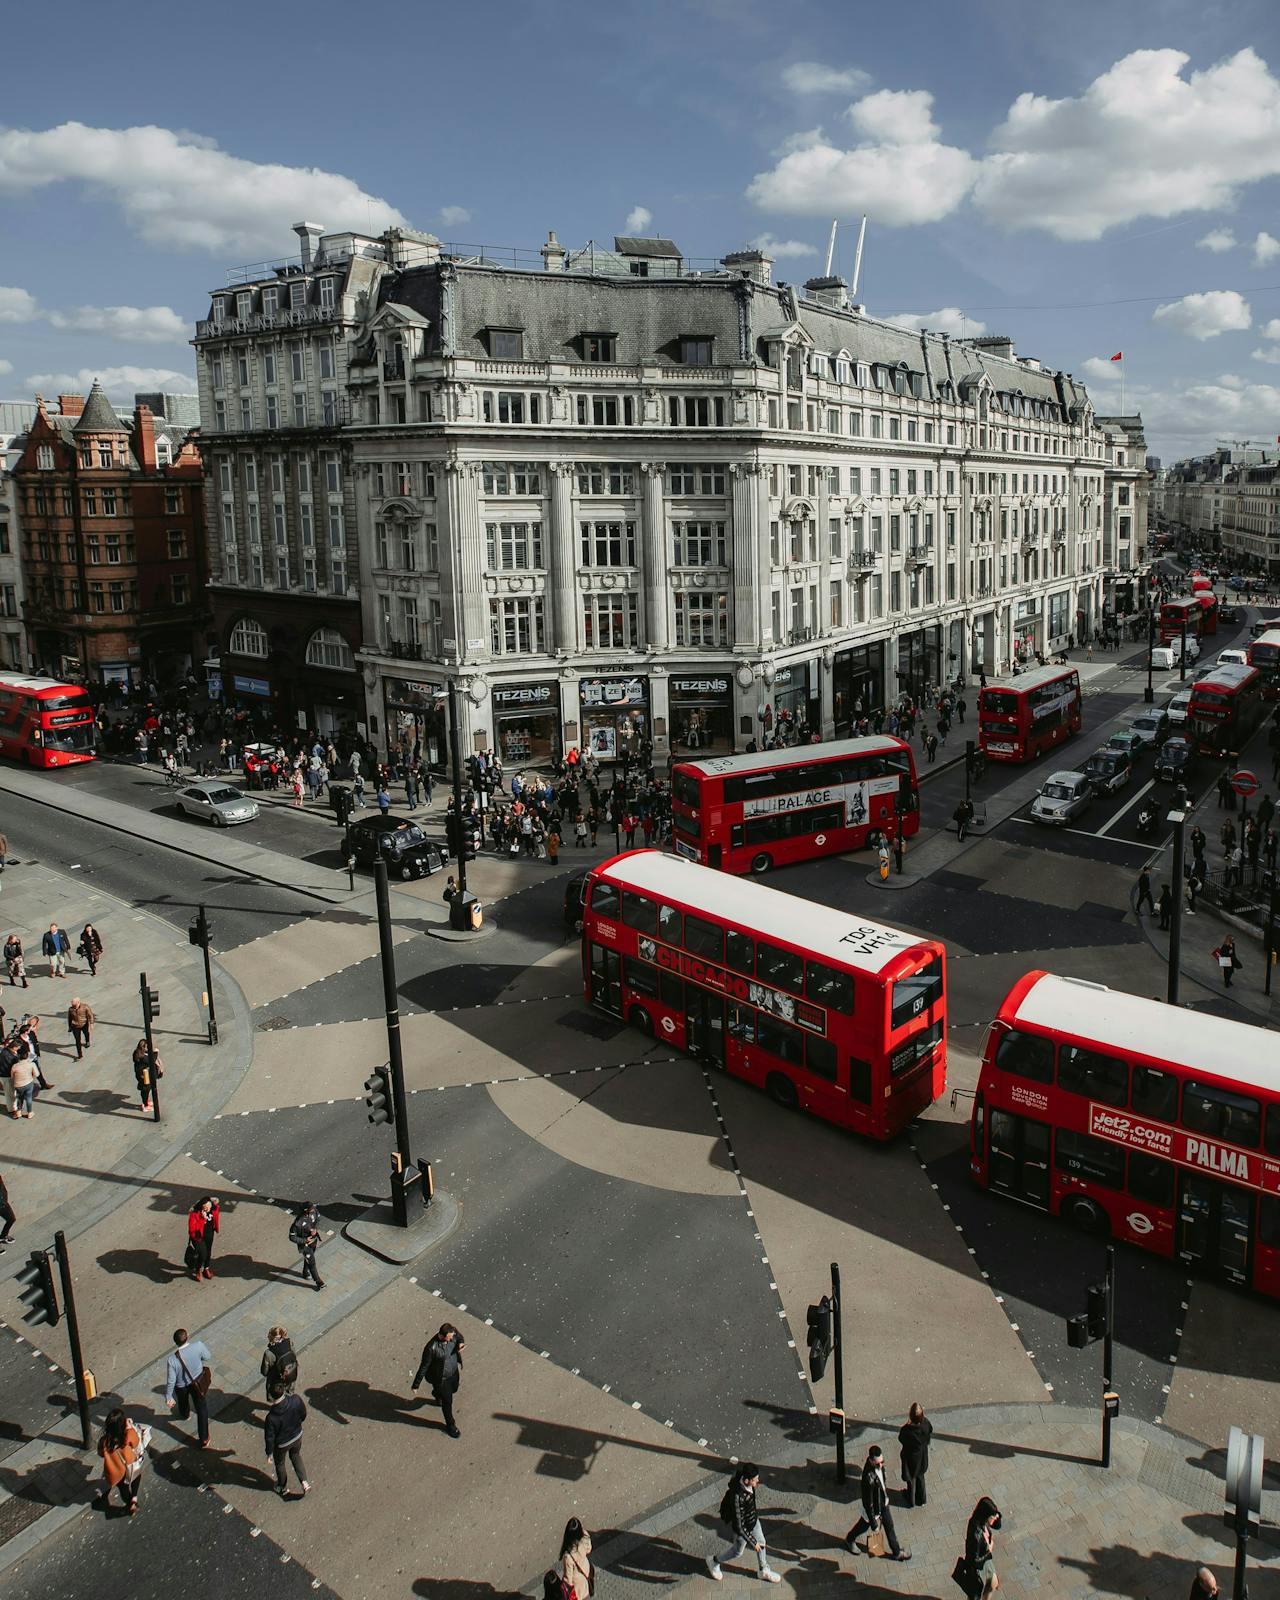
{"x":345,"y":1398}
{"x":569,"y":1452}
{"x":462,"y":1589}
{"x":1119,"y":1569}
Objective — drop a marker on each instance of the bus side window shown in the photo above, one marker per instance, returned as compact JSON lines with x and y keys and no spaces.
{"x":669,"y":925}
{"x":605,"y":899}
{"x":670,"y":989}
{"x":1155,"y":1094}
{"x":1269,"y":1222}
{"x":1086,"y":1157}
{"x":1271,"y":1142}
{"x":860,"y":1080}
{"x":704,"y":939}
{"x":828,"y":987}
{"x":742,"y":1024}
{"x":1233,"y":1117}
{"x":1150,"y":1179}
{"x":640,"y":976}
{"x":1090,"y":1073}
{"x":780,"y":1039}
{"x":639,"y":912}
{"x":740,"y":952}
{"x":1026,"y":1055}
{"x":820,"y":1057}
{"x":780,"y":967}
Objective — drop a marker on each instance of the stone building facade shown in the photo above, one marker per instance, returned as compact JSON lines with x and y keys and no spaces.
{"x":16,"y":416}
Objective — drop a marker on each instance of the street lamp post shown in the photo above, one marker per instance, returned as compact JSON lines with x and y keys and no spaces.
{"x":1182,"y":664}
{"x":1179,"y":820}
{"x":1149,"y":693}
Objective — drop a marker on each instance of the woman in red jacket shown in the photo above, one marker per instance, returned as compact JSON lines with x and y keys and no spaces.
{"x":202,"y":1223}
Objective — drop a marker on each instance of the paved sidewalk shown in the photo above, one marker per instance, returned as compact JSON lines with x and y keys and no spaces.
{"x":1069,"y":1529}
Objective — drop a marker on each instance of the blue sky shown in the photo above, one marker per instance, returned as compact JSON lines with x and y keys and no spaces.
{"x":1099,"y":180}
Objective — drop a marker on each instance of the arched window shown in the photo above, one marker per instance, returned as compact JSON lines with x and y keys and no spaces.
{"x":327,"y":648}
{"x":248,"y":638}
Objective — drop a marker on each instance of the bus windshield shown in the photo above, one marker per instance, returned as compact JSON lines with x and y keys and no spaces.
{"x":78,"y":738}
{"x":1000,"y":703}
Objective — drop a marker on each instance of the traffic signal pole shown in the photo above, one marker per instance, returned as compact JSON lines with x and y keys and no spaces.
{"x":150,"y":1009}
{"x":455,"y":756}
{"x":73,"y":1331}
{"x":1110,"y":1400}
{"x":403,"y":1158}
{"x":199,"y":933}
{"x":838,"y":1333}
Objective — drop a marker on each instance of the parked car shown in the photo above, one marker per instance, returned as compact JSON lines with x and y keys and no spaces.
{"x":1228,"y":614}
{"x":1127,"y":740}
{"x":216,"y":802}
{"x":1152,"y":727}
{"x":408,"y":851}
{"x":1178,"y":708}
{"x":1176,"y":759}
{"x":1062,"y":798}
{"x":1108,"y":770}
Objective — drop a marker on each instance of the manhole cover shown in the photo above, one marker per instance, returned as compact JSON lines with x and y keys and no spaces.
{"x":18,"y":1513}
{"x":273,"y":1024}
{"x":586,"y":1022}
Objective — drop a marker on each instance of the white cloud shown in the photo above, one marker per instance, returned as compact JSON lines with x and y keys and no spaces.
{"x":1271,"y":330}
{"x":119,"y":382}
{"x":179,"y":189}
{"x":1271,"y":353}
{"x":1142,"y":140}
{"x":146,"y":324}
{"x":451,"y":216}
{"x":1265,"y":249}
{"x":901,"y":174}
{"x":950,"y":319}
{"x":1099,"y":370}
{"x":1205,"y":316}
{"x":638,"y":219}
{"x":1217,"y":240}
{"x":5,"y":367}
{"x":16,"y":305}
{"x":813,"y":77}
{"x":781,"y":249}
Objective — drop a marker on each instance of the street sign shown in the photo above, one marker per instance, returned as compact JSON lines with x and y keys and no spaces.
{"x":1244,"y":782}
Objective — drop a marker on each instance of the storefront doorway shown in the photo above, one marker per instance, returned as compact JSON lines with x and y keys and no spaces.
{"x":701,"y":718}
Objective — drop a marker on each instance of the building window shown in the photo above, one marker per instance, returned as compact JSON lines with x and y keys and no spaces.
{"x":273,"y":411}
{"x":104,"y":455}
{"x":696,"y":351}
{"x":519,"y":479}
{"x":90,"y":503}
{"x":299,"y":408}
{"x":605,"y":478}
{"x":698,"y":544}
{"x":109,"y":503}
{"x":44,"y":457}
{"x":608,"y":544}
{"x":332,"y":474}
{"x":409,"y":619}
{"x":249,"y":638}
{"x":690,"y":478}
{"x":327,"y":294}
{"x":510,"y":406}
{"x":506,"y":344}
{"x":695,"y":411}
{"x":329,"y":407}
{"x":327,"y":648}
{"x":702,"y":620}
{"x":177,"y":544}
{"x":337,"y":570}
{"x":113,"y":549}
{"x":97,"y":597}
{"x":599,"y":347}
{"x":516,"y":627}
{"x":513,"y":546}
{"x":610,"y":621}
{"x":179,"y":582}
{"x":117,"y":596}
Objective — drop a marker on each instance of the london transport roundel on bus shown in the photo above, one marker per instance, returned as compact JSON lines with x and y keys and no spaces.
{"x":1139,"y":1223}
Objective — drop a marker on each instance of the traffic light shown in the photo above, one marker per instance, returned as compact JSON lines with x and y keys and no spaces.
{"x":820,"y":1337}
{"x":200,"y":933}
{"x":377,"y":1094}
{"x":151,"y":1002}
{"x":1090,"y":1324}
{"x":39,"y":1296}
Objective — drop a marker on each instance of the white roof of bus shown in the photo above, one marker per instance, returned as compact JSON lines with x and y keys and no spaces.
{"x":821,"y":930}
{"x":1230,"y":675}
{"x":1032,"y":679}
{"x":797,"y":755}
{"x":17,"y":681}
{"x":1271,"y":637}
{"x":1109,"y":1017}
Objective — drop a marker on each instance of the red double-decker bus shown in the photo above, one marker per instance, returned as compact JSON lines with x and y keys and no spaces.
{"x":750,"y":813}
{"x":1264,"y":653}
{"x":44,"y":723}
{"x":1208,"y":603}
{"x":1225,"y":709}
{"x":1019,"y":718}
{"x":1174,"y":613}
{"x":1137,"y":1120}
{"x":820,"y":1008}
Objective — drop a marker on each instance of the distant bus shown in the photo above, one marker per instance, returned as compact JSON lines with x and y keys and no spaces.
{"x":1264,"y":653}
{"x":1225,"y":710}
{"x":1174,"y":613}
{"x":1135,"y":1120}
{"x":1019,"y":718}
{"x":820,"y":1008}
{"x":753,"y":812}
{"x":44,"y":723}
{"x":1208,"y":603}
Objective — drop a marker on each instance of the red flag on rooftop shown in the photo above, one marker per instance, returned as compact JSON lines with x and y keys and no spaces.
{"x":1119,"y":356}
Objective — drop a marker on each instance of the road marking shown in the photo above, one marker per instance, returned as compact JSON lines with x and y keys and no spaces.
{"x":1146,"y":789}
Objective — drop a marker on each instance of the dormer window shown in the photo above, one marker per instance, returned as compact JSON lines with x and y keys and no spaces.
{"x":270,"y":301}
{"x":297,"y":295}
{"x":696,"y":350}
{"x":244,"y":305}
{"x":506,"y":344}
{"x":219,"y":309}
{"x":600,"y":347}
{"x":327,"y":293}
{"x":44,"y":457}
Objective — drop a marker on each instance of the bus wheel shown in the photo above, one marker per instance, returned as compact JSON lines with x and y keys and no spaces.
{"x":641,"y":1021}
{"x":761,"y":863}
{"x":1089,"y":1217}
{"x":783,"y":1090}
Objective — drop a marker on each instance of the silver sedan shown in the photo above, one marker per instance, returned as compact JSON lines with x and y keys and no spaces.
{"x":217,"y":803}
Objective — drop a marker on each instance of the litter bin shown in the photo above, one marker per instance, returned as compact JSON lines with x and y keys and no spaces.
{"x":341,"y":799}
{"x":465,"y":912}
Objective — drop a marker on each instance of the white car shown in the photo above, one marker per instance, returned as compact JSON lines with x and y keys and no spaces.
{"x":216,"y":802}
{"x":1232,"y":658}
{"x":1179,"y":708}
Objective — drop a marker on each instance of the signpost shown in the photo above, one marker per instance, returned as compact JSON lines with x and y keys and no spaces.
{"x":1244,"y":783}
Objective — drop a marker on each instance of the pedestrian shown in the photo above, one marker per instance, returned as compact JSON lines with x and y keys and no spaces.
{"x":739,"y":1511}
{"x":961,"y":707}
{"x":1144,"y":892}
{"x":357,"y":790}
{"x":15,"y":961}
{"x":304,"y":1231}
{"x":80,"y":1020}
{"x":1227,"y":836}
{"x":1226,"y":794}
{"x":411,"y":790}
{"x":1203,"y":1586}
{"x":575,"y":1561}
{"x":9,"y":1215}
{"x":188,"y":1375}
{"x":629,"y":829}
{"x":4,"y":852}
{"x":441,"y":1369}
{"x":876,"y":1514}
{"x":593,"y":822}
{"x":1228,"y":961}
{"x":22,"y":1083}
{"x":553,"y":845}
{"x":450,"y":889}
{"x":931,"y":747}
{"x":963,"y":816}
{"x":279,"y":1364}
{"x":914,"y":1436}
{"x":580,"y":831}
{"x":203,"y":1222}
{"x":147,"y":1069}
{"x":90,"y":948}
{"x":282,"y":1436}
{"x":980,"y":1548}
{"x":122,"y":1448}
{"x":55,"y":945}
{"x":384,"y":799}
{"x":297,"y":786}
{"x":1195,"y":883}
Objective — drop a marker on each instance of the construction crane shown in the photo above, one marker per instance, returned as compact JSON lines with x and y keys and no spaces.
{"x":1241,"y":444}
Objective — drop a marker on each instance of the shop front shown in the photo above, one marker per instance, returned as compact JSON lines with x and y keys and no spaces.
{"x":920,"y":661}
{"x":857,"y":685}
{"x":416,"y":718}
{"x":526,"y":720}
{"x":797,"y":707}
{"x":615,"y":716}
{"x":701,"y":714}
{"x":1027,"y":631}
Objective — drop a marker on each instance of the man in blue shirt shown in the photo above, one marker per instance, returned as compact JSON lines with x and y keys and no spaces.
{"x":186,"y":1384}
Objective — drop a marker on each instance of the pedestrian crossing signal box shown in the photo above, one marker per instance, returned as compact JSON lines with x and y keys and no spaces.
{"x":835,"y":1418}
{"x":1111,"y":1404}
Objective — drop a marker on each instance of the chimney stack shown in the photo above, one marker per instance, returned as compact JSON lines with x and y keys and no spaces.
{"x":552,"y":253}
{"x":307,"y":233}
{"x":145,"y":444}
{"x":71,"y":405}
{"x":754,"y":264}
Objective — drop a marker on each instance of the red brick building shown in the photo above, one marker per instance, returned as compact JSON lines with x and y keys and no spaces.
{"x":113,"y":552}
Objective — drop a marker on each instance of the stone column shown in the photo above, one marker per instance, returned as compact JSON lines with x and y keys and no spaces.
{"x":653,"y":539}
{"x":748,"y":565}
{"x":466,"y":560}
{"x":564,"y":559}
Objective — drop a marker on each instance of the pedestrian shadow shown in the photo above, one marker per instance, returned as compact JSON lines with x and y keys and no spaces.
{"x":795,"y":1424}
{"x":150,"y":1264}
{"x":344,"y":1399}
{"x":996,"y":1451}
{"x":98,"y":1103}
{"x":462,"y":1589}
{"x":47,"y":1485}
{"x":569,"y":1453}
{"x":654,"y":1561}
{"x":188,"y":1467}
{"x":1122,"y":1570}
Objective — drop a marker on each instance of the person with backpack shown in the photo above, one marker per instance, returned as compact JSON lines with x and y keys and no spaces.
{"x":279,"y":1364}
{"x":441,"y":1368}
{"x":282,"y":1435}
{"x":304,"y":1231}
{"x":739,"y":1512}
{"x":16,"y":961}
